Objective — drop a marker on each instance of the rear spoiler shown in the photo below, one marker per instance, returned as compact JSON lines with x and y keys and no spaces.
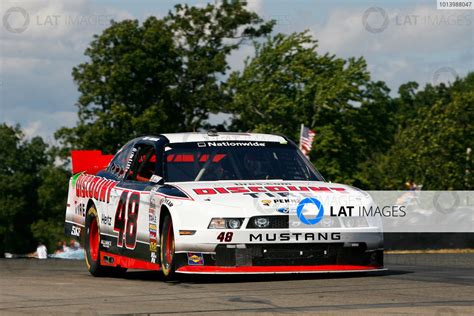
{"x":91,"y":161}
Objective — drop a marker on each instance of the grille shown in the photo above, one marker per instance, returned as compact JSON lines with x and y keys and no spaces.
{"x":284,"y":221}
{"x":288,"y":254}
{"x":276,"y":221}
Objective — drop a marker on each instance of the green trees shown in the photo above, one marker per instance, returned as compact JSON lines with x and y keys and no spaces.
{"x":431,"y":144}
{"x":364,"y":137}
{"x":52,"y":199}
{"x":161,"y":76}
{"x":33,"y":190}
{"x":288,"y":83}
{"x":20,"y":162}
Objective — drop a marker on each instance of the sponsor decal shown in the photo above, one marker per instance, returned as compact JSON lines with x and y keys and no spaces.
{"x":153,"y":245}
{"x":294,"y":236}
{"x":76,"y":231}
{"x":153,"y":139}
{"x":235,"y":144}
{"x":97,"y":188}
{"x":152,"y":217}
{"x":266,"y":202}
{"x":284,"y":210}
{"x":152,"y":198}
{"x":80,"y":209}
{"x":130,"y":158}
{"x":152,"y":230}
{"x":269,"y":190}
{"x":106,"y":243}
{"x":167,"y":202}
{"x":287,"y":201}
{"x":106,"y":220}
{"x":195,"y":259}
{"x":155,"y":178}
{"x":153,"y":257}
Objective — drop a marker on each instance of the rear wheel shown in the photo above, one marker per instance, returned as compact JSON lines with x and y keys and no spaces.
{"x":167,"y":254}
{"x":92,"y":248}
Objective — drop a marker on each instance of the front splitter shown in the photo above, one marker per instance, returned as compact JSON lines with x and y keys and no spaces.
{"x":277,"y":269}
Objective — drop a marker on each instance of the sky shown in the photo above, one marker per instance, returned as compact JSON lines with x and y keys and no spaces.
{"x":41,"y":41}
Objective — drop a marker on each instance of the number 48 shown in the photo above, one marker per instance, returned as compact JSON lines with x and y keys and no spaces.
{"x":227,"y":237}
{"x":128,"y":225}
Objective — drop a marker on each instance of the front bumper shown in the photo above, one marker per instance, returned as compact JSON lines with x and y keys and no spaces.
{"x":283,"y":258}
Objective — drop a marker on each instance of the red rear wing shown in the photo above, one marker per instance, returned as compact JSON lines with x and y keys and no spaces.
{"x":91,"y":161}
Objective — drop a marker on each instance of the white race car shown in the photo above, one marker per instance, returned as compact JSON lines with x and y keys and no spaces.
{"x":216,"y":203}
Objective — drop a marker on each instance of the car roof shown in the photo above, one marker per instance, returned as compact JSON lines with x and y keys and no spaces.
{"x":222,"y":136}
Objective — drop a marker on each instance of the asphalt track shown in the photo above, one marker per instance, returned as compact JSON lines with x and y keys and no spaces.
{"x":426,"y":284}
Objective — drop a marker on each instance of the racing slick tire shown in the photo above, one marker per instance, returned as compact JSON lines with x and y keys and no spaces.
{"x":92,"y":248}
{"x":167,"y":250}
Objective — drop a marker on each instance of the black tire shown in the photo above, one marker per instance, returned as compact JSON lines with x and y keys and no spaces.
{"x":92,"y":248}
{"x":167,"y":253}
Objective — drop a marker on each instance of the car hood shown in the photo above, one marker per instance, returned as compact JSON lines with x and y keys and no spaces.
{"x":274,"y":195}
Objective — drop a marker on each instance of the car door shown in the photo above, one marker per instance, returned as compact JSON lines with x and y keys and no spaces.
{"x":134,"y":226}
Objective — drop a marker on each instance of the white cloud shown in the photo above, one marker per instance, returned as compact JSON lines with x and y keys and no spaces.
{"x":40,"y":42}
{"x":54,"y":29}
{"x":38,"y":122}
{"x":32,"y":129}
{"x":416,"y":42}
{"x":421,"y":29}
{"x":237,"y":58}
{"x":255,"y":6}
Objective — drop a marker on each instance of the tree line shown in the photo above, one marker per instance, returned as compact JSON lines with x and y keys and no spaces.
{"x":170,"y":74}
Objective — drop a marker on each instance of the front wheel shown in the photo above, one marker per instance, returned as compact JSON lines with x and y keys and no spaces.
{"x":167,"y":255}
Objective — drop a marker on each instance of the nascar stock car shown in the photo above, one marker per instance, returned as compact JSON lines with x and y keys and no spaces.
{"x":216,"y":203}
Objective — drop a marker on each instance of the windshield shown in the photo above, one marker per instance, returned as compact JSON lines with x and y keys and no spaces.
{"x":213,"y":161}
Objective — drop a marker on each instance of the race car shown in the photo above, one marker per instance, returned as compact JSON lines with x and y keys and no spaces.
{"x":216,"y":203}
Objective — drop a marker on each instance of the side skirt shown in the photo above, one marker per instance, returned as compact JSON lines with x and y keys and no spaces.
{"x":113,"y":260}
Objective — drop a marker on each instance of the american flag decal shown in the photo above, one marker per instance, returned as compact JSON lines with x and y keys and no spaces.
{"x":306,"y":139}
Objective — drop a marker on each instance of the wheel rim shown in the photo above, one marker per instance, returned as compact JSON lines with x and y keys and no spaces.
{"x":94,"y":240}
{"x":169,"y":249}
